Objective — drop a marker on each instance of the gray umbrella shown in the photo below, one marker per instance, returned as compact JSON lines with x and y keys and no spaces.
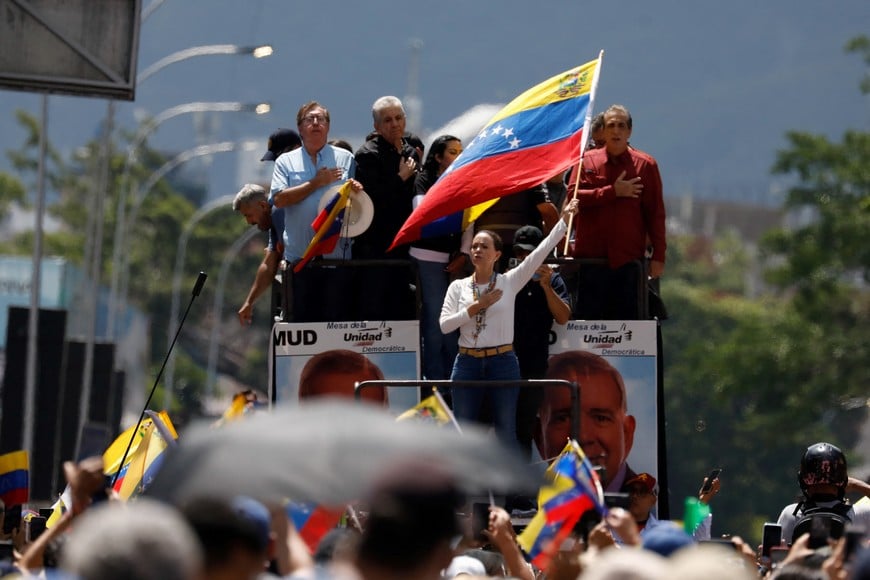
{"x":329,"y":452}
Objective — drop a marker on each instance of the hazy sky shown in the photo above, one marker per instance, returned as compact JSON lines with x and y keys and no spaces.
{"x":712,"y":86}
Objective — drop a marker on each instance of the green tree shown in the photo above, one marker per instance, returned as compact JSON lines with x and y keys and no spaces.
{"x":750,"y":383}
{"x":151,"y":247}
{"x":861,"y":44}
{"x":11,"y":192}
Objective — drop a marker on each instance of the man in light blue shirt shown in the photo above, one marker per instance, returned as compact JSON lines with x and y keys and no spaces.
{"x":299,"y":180}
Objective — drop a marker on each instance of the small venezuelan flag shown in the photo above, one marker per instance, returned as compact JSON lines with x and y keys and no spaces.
{"x":15,"y":478}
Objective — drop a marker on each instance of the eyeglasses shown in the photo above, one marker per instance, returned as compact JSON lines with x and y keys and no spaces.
{"x":311,"y":119}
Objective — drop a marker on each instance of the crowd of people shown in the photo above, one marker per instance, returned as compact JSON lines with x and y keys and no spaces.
{"x":487,"y":300}
{"x":619,"y":234}
{"x":415,"y":522}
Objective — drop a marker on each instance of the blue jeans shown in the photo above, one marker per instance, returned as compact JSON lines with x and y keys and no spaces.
{"x":467,"y":402}
{"x":439,"y":349}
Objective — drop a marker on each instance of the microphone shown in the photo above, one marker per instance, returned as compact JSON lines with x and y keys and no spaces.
{"x":197,"y":288}
{"x":200,"y":282}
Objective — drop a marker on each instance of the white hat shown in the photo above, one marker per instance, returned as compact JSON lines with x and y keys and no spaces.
{"x":362,"y":211}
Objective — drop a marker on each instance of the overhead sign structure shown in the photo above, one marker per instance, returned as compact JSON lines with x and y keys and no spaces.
{"x":76,"y":47}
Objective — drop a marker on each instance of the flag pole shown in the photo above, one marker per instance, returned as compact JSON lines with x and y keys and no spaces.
{"x":584,"y":139}
{"x":443,"y":403}
{"x":345,"y":225}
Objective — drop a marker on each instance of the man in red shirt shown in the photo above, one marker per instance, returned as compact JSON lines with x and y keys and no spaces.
{"x":622,"y":212}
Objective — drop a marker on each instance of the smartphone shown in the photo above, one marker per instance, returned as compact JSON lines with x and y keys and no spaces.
{"x":12,"y":519}
{"x":479,"y":520}
{"x":725,"y":542}
{"x":854,"y":535}
{"x":777,"y":555}
{"x":708,"y":485}
{"x":820,"y":531}
{"x":6,"y":553}
{"x":614,"y":499}
{"x":770,"y":537}
{"x":35,"y":528}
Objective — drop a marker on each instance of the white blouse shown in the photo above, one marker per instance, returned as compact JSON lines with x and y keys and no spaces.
{"x":497,"y":327}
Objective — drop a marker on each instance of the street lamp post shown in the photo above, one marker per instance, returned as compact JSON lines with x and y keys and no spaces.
{"x":147,"y":128}
{"x":92,"y":290}
{"x":194,"y":51}
{"x":140,"y":195}
{"x":126,"y":187}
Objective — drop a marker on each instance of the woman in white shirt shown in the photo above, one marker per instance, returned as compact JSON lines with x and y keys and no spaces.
{"x":482,"y":308}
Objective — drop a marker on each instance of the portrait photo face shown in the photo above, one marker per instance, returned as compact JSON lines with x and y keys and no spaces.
{"x":341,"y":384}
{"x":606,"y":430}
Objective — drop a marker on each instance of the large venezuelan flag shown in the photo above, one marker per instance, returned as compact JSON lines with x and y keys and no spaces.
{"x":14,"y":478}
{"x":535,"y":136}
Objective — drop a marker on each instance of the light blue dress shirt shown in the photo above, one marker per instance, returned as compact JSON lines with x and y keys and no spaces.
{"x":295,"y":168}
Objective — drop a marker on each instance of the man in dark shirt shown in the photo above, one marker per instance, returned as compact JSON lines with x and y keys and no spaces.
{"x":621,"y":212}
{"x":511,"y":212}
{"x":542,"y":300}
{"x":386,"y":167}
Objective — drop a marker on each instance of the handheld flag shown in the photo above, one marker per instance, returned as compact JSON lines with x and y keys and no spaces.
{"x":242,"y":404}
{"x":535,"y":136}
{"x":15,"y":478}
{"x":327,"y":226}
{"x":58,"y":508}
{"x":155,"y":435}
{"x":312,"y":521}
{"x":432,"y":409}
{"x":573,"y":488}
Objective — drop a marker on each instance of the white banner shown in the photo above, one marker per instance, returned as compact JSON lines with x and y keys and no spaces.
{"x":391,"y":346}
{"x":630,"y":347}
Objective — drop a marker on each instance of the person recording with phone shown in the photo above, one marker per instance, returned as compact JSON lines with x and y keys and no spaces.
{"x":543,"y":300}
{"x":643,"y":496}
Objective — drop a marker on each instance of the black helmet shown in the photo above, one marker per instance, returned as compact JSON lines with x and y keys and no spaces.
{"x":823,"y":463}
